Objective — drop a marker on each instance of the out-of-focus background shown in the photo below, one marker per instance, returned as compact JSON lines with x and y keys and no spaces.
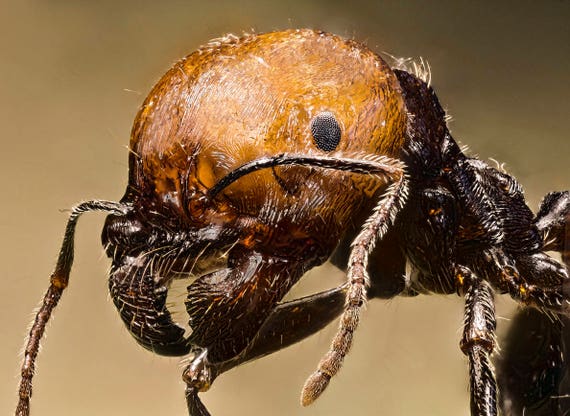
{"x":72,"y":75}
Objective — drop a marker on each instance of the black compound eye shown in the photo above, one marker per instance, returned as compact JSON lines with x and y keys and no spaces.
{"x":325,"y":131}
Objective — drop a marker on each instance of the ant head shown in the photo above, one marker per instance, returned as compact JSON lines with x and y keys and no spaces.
{"x":238,"y":100}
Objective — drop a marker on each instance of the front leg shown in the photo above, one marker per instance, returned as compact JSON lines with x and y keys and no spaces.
{"x":478,"y":341}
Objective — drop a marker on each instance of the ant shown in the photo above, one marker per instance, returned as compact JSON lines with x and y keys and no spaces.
{"x":257,"y":158}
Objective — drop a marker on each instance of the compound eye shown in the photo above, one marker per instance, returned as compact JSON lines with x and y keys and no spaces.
{"x":325,"y":131}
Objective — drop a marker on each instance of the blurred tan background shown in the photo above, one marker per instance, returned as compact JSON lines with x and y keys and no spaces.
{"x":72,"y":74}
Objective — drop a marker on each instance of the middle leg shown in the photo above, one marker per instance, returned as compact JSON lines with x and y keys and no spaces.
{"x":478,"y":341}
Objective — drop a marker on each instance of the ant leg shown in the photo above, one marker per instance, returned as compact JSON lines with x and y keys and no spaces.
{"x":466,"y":177}
{"x":496,"y":202}
{"x":549,"y":279}
{"x":373,"y":230}
{"x":59,"y":280}
{"x":549,"y":287}
{"x":553,"y":223}
{"x":478,"y":341}
{"x":533,"y":373}
{"x":289,"y":323}
{"x":533,"y":280}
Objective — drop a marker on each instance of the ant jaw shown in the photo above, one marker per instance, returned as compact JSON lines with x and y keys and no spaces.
{"x":139,"y":294}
